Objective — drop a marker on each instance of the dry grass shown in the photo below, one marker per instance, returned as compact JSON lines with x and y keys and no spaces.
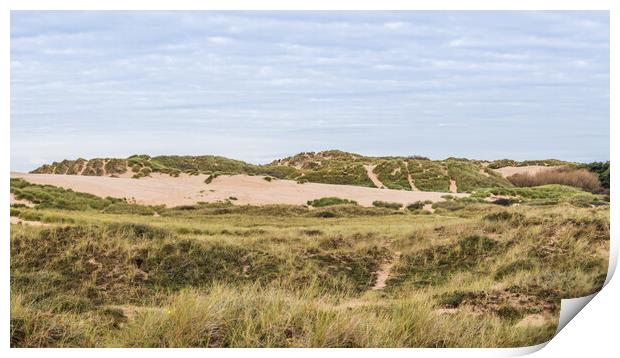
{"x":224,"y":276}
{"x":579,"y":178}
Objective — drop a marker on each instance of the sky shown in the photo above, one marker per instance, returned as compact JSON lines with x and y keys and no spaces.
{"x":258,"y":86}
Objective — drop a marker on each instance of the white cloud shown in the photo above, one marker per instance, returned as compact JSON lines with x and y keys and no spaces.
{"x":395,"y":25}
{"x":218,"y":40}
{"x":252,"y":75}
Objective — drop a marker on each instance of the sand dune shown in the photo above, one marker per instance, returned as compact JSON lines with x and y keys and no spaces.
{"x":164,"y":189}
{"x":530,"y":169}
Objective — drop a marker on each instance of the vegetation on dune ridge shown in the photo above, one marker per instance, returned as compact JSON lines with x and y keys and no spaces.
{"x":601,"y":169}
{"x":496,"y":164}
{"x":329,"y":167}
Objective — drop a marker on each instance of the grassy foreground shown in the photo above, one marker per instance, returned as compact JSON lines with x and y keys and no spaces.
{"x":106,"y":273}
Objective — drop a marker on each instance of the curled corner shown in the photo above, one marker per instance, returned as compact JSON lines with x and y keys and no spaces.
{"x":522,"y":351}
{"x":569,"y":309}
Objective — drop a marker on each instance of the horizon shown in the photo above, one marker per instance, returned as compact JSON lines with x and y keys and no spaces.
{"x":260,"y":86}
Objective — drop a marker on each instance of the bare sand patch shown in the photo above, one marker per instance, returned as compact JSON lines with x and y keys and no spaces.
{"x":18,"y":221}
{"x":410,"y":179}
{"x":27,"y":203}
{"x":384,"y":272}
{"x":530,"y":169}
{"x":162,"y":189}
{"x":453,"y":187}
{"x":534,"y":320}
{"x":373,"y":177}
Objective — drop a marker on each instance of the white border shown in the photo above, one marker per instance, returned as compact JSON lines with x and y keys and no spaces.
{"x":594,"y":329}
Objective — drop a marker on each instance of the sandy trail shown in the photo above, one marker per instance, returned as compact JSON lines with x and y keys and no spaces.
{"x":453,"y":187}
{"x":411,"y":183}
{"x":531,"y":169}
{"x":371,"y":174}
{"x":162,"y":189}
{"x":384,"y":272}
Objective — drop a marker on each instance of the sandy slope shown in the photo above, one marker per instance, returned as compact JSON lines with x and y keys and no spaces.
{"x":531,"y":169}
{"x":186,"y":189}
{"x":372,"y":176}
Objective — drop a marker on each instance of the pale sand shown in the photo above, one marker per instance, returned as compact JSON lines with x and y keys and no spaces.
{"x":453,"y":187}
{"x":533,"y":320}
{"x":411,"y":183}
{"x":384,"y":272}
{"x":162,"y":189}
{"x":14,"y":200}
{"x":18,"y":221}
{"x":531,"y":169}
{"x":373,"y":177}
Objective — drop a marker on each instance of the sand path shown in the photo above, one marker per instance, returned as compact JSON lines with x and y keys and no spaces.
{"x":384,"y":272}
{"x":162,"y":189}
{"x":453,"y":187}
{"x":411,"y":183}
{"x":371,"y":174}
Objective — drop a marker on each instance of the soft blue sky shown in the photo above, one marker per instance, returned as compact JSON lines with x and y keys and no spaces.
{"x":262,"y":85}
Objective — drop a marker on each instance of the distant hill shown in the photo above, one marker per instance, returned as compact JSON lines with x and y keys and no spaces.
{"x":330,"y":167}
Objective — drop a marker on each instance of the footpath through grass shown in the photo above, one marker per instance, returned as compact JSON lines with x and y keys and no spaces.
{"x":218,"y":275}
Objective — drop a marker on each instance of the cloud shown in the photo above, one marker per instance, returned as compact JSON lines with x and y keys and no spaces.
{"x":218,"y":39}
{"x":283,"y":82}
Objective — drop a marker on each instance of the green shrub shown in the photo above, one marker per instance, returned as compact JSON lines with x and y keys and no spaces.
{"x":585,"y":201}
{"x":326,"y":214}
{"x":475,"y":244}
{"x":47,"y":196}
{"x":601,"y":169}
{"x":126,"y":208}
{"x":386,"y":204}
{"x":449,"y":205}
{"x":328,"y":201}
{"x":499,"y":216}
{"x":513,"y":267}
{"x":211,"y":177}
{"x":116,"y":166}
{"x":504,"y":201}
{"x":140,"y":231}
{"x":415,"y":206}
{"x":453,"y":299}
{"x":510,"y":313}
